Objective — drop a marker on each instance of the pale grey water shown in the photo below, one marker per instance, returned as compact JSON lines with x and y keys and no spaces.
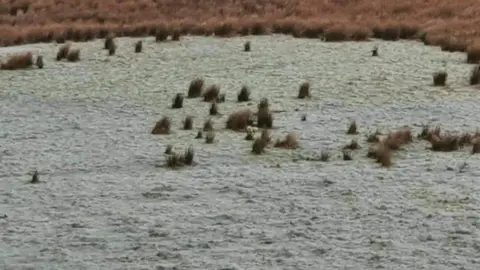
{"x":104,"y":204}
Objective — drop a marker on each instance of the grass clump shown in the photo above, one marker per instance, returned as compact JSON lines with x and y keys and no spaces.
{"x":196,"y":88}
{"x":304,"y":90}
{"x":63,"y":51}
{"x":188,"y":123}
{"x":244,"y":95}
{"x":177,"y":101}
{"x":290,"y":142}
{"x":211,"y":93}
{"x":240,"y":120}
{"x":162,"y":127}
{"x":264,"y":116}
{"x":440,"y":78}
{"x":18,"y":61}
{"x":138,"y":46}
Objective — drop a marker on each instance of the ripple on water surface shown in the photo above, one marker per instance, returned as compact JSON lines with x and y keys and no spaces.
{"x":103,"y":202}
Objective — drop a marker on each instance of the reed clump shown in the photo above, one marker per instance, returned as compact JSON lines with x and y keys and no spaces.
{"x":440,"y":78}
{"x":18,"y":61}
{"x":290,"y":142}
{"x":162,"y":127}
{"x":304,"y":90}
{"x":244,"y":94}
{"x":196,"y":88}
{"x":188,"y":123}
{"x":240,"y":120}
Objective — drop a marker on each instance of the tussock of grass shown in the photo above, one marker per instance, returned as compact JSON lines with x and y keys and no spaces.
{"x":188,"y":123}
{"x":239,"y":120}
{"x":304,"y":90}
{"x":18,"y":61}
{"x":162,"y":127}
{"x":244,"y":95}
{"x":196,"y":88}
{"x":440,"y":78}
{"x":290,"y":142}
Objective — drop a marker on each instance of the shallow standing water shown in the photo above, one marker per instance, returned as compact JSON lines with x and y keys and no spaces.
{"x":104,"y":203}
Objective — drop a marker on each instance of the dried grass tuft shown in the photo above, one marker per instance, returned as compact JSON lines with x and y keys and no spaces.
{"x":39,"y":62}
{"x":211,"y":93}
{"x":188,"y":123}
{"x":199,"y":135}
{"x":352,"y":128}
{"x":177,"y":102}
{"x":353,"y":145}
{"x":210,"y":137}
{"x":290,"y":142}
{"x":63,"y":51}
{"x":244,"y":95}
{"x":475,"y":75}
{"x":325,"y":156}
{"x":162,"y":127}
{"x":264,"y":116}
{"x":196,"y":88}
{"x":346,"y":155}
{"x":240,"y":120}
{"x":381,"y":153}
{"x":213,"y":108}
{"x":304,"y":90}
{"x":168,"y":149}
{"x":208,"y":125}
{"x":258,"y":146}
{"x":246,"y":46}
{"x":73,"y":55}
{"x":18,"y":61}
{"x":440,"y":78}
{"x":109,"y":41}
{"x":138,"y":46}
{"x":476,"y":147}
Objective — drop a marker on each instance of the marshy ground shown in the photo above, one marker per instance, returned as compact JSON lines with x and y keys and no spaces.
{"x":105,"y":200}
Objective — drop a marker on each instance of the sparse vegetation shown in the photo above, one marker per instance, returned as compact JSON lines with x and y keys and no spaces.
{"x":138,"y":46}
{"x":177,"y":101}
{"x":175,"y":160}
{"x":39,"y":62}
{"x":246,"y":46}
{"x":208,"y":125}
{"x":188,"y":123}
{"x":258,"y":146}
{"x":475,"y":75}
{"x":196,"y":88}
{"x":264,"y":116}
{"x":352,"y":128}
{"x":304,"y":90}
{"x":244,"y":95}
{"x":18,"y":61}
{"x":162,"y":126}
{"x":290,"y":142}
{"x":210,"y":137}
{"x":239,"y":120}
{"x":63,"y":51}
{"x":212,"y":93}
{"x":213,"y":108}
{"x":440,"y":78}
{"x":73,"y":55}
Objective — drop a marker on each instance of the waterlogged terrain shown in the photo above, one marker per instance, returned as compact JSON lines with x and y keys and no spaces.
{"x":105,"y":203}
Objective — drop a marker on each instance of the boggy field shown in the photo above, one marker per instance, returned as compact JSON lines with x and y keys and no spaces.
{"x":450,"y":24}
{"x":107,"y":197}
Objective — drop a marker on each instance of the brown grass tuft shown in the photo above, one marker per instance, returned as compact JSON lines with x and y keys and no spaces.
{"x":473,"y":53}
{"x":211,"y":93}
{"x":161,"y":34}
{"x":475,"y":75}
{"x":210,"y":137}
{"x":352,"y":128}
{"x":63,"y":51}
{"x":175,"y":160}
{"x":264,"y":116}
{"x":199,"y":135}
{"x":347,"y":155}
{"x":73,"y":55}
{"x":162,"y":127}
{"x":39,"y":62}
{"x":375,"y":51}
{"x":304,"y":118}
{"x":177,"y":102}
{"x":353,"y":145}
{"x":249,"y":136}
{"x":109,"y":41}
{"x":175,"y":35}
{"x":440,"y":78}
{"x":266,"y":136}
{"x":112,"y":48}
{"x":397,"y":139}
{"x":169,"y":149}
{"x":208,"y":125}
{"x":213,"y":108}
{"x":18,"y":61}
{"x":476,"y":147}
{"x":244,"y":95}
{"x":381,"y":153}
{"x":196,"y":88}
{"x":304,"y":90}
{"x":239,"y":120}
{"x":138,"y":46}
{"x":290,"y":142}
{"x":446,"y":143}
{"x":258,"y":146}
{"x":188,"y":123}
{"x":246,"y":46}
{"x":428,"y":133}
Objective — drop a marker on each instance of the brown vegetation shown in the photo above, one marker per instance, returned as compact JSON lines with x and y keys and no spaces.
{"x":196,"y":88}
{"x":381,"y":153}
{"x":352,"y":128}
{"x":239,"y":120}
{"x":73,"y":55}
{"x":211,"y":93}
{"x":188,"y":123}
{"x":18,"y":61}
{"x":213,"y":108}
{"x":244,"y":95}
{"x":246,"y":46}
{"x":177,"y":101}
{"x":304,"y":90}
{"x":440,"y":78}
{"x":169,"y":149}
{"x":138,"y":46}
{"x":63,"y":51}
{"x":448,"y":24}
{"x":162,"y":126}
{"x":258,"y":146}
{"x":290,"y":142}
{"x":264,"y":116}
{"x":175,"y":160}
{"x":208,"y":125}
{"x":39,"y":62}
{"x":475,"y":75}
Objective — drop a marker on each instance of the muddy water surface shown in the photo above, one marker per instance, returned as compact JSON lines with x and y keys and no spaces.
{"x":105,"y":204}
